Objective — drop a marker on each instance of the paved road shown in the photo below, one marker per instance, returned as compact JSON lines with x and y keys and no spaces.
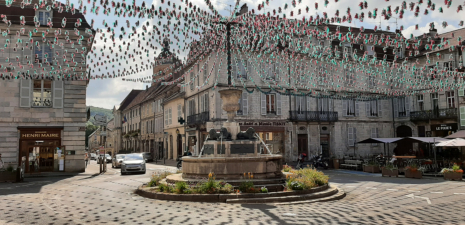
{"x":108,"y":199}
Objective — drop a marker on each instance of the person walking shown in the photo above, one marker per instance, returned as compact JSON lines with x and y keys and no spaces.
{"x":86,"y":158}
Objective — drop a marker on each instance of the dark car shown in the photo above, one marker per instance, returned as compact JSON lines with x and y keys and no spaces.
{"x":148,"y":156}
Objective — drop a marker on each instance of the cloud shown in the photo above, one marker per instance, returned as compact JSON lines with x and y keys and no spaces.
{"x":425,"y":29}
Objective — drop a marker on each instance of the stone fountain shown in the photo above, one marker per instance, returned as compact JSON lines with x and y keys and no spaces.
{"x":229,"y":153}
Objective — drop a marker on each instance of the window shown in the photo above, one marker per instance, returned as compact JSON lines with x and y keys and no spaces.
{"x":271,"y":70}
{"x":351,"y":136}
{"x":321,"y":75}
{"x":205,"y":72}
{"x":191,"y":85}
{"x":191,"y":109}
{"x":347,"y":50}
{"x":374,"y":134}
{"x":450,"y":99}
{"x":373,"y":108}
{"x":271,"y":104}
{"x":43,"y":16}
{"x":371,"y":81}
{"x":269,"y":136}
{"x":170,"y":118}
{"x":243,"y":104}
{"x":42,"y":93}
{"x":204,"y":106}
{"x":421,"y":106}
{"x":348,"y":107}
{"x":147,"y":127}
{"x":166,"y":116}
{"x":349,"y":77}
{"x":462,"y":116}
{"x":401,"y":107}
{"x":43,"y":53}
{"x":300,"y":104}
{"x":242,"y":69}
{"x":325,"y":105}
{"x":179,"y":111}
{"x":370,"y":50}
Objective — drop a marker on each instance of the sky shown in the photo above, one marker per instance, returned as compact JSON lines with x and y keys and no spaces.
{"x":107,"y":93}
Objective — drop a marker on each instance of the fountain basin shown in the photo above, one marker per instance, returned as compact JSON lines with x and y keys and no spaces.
{"x":227,"y":168}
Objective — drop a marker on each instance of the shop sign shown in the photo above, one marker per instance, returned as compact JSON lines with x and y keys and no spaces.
{"x":40,"y":134}
{"x":274,"y":124}
{"x":444,"y":127}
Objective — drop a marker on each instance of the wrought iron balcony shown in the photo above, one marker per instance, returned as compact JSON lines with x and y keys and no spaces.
{"x":313,"y":116}
{"x":437,"y":114}
{"x":198,"y":119}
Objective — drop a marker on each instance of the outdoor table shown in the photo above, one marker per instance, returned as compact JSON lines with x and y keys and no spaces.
{"x":405,"y":157}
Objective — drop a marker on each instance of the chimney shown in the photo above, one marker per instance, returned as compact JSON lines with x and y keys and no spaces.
{"x":244,"y":9}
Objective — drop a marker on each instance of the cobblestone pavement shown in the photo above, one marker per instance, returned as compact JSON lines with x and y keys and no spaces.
{"x":108,"y":199}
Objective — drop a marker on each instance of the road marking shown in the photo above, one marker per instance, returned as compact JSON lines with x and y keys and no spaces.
{"x":413,"y":196}
{"x":436,"y":192}
{"x":413,"y":191}
{"x":350,"y":186}
{"x":372,"y":188}
{"x":289,"y":214}
{"x":391,"y":189}
{"x":459,"y":193}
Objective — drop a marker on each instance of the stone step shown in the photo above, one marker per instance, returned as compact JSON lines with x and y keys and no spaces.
{"x":173,"y":178}
{"x":292,"y":198}
{"x":340,"y":194}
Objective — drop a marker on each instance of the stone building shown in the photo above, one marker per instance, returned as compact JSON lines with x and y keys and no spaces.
{"x":43,"y":111}
{"x":123,"y":122}
{"x":173,"y":105}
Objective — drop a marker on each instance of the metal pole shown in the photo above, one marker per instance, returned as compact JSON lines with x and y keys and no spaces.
{"x":228,"y":46}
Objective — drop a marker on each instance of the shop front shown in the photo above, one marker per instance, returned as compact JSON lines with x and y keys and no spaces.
{"x":42,"y":149}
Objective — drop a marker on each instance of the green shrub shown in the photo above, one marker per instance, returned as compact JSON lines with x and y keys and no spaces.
{"x":181,"y":187}
{"x":162,"y":187}
{"x":156,"y":178}
{"x":246,"y":187}
{"x":264,"y":190}
{"x":305,"y":179}
{"x":286,"y":168}
{"x":226,"y":189}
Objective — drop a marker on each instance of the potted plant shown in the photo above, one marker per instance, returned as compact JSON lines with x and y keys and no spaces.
{"x":454,"y":173}
{"x":8,"y":175}
{"x":390,"y":170}
{"x":371,"y":167}
{"x":412,"y":171}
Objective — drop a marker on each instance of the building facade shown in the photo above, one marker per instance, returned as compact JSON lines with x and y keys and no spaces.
{"x":43,"y":111}
{"x":173,"y":105}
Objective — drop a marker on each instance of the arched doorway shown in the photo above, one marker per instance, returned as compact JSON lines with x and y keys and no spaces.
{"x":404,"y":131}
{"x":179,"y":143}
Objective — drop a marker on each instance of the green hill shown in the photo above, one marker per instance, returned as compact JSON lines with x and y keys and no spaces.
{"x":96,"y":110}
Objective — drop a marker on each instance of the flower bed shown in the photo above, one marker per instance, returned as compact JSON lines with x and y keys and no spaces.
{"x":390,"y":170}
{"x":454,"y":173}
{"x":305,"y":179}
{"x":409,"y":173}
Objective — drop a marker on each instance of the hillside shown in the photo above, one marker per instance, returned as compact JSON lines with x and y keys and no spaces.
{"x":96,"y":110}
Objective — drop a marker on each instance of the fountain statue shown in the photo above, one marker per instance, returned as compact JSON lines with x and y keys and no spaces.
{"x":229,"y":153}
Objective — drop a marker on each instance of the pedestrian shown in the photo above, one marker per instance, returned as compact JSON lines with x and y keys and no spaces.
{"x":86,"y":159}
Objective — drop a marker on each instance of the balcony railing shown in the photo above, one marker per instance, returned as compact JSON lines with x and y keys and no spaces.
{"x":433,"y":114}
{"x":198,"y":119}
{"x":313,"y":116}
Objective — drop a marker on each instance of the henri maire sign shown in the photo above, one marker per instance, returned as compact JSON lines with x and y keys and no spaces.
{"x":40,"y":134}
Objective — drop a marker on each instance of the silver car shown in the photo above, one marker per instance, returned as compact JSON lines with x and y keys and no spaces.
{"x":133,"y":163}
{"x":116,"y":162}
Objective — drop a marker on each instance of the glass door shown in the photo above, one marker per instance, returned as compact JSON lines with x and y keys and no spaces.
{"x":59,"y":159}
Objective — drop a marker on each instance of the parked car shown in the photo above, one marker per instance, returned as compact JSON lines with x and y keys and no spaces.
{"x":133,"y":163}
{"x":93,"y":156}
{"x":148,"y":156}
{"x":117,"y":160}
{"x":107,"y":157}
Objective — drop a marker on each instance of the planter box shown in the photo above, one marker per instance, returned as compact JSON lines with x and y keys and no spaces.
{"x":452,"y":176}
{"x":6,"y":176}
{"x":336,"y":163}
{"x":390,"y":173}
{"x":410,"y":174}
{"x":371,"y":169}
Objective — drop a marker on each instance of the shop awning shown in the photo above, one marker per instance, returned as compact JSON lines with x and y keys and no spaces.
{"x":458,"y":134}
{"x":423,"y":139}
{"x":379,"y":140}
{"x":458,"y":142}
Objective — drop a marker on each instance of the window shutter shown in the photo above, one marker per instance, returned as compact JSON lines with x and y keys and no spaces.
{"x":58,"y":87}
{"x":350,"y":136}
{"x":367,"y":106}
{"x":278,"y":104}
{"x":380,"y":108}
{"x":344,"y":107}
{"x":207,"y":106}
{"x":25,"y":93}
{"x":202,"y":104}
{"x":245,"y":104}
{"x":462,"y":116}
{"x":355,"y":135}
{"x":357,"y":110}
{"x":249,"y":68}
{"x":331,"y":105}
{"x":407,"y":106}
{"x":234,"y":68}
{"x":263,"y":104}
{"x":27,"y":52}
{"x":396,"y":110}
{"x":461,"y":92}
{"x":308,"y":103}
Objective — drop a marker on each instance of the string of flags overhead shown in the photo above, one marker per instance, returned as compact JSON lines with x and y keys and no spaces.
{"x":288,"y":49}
